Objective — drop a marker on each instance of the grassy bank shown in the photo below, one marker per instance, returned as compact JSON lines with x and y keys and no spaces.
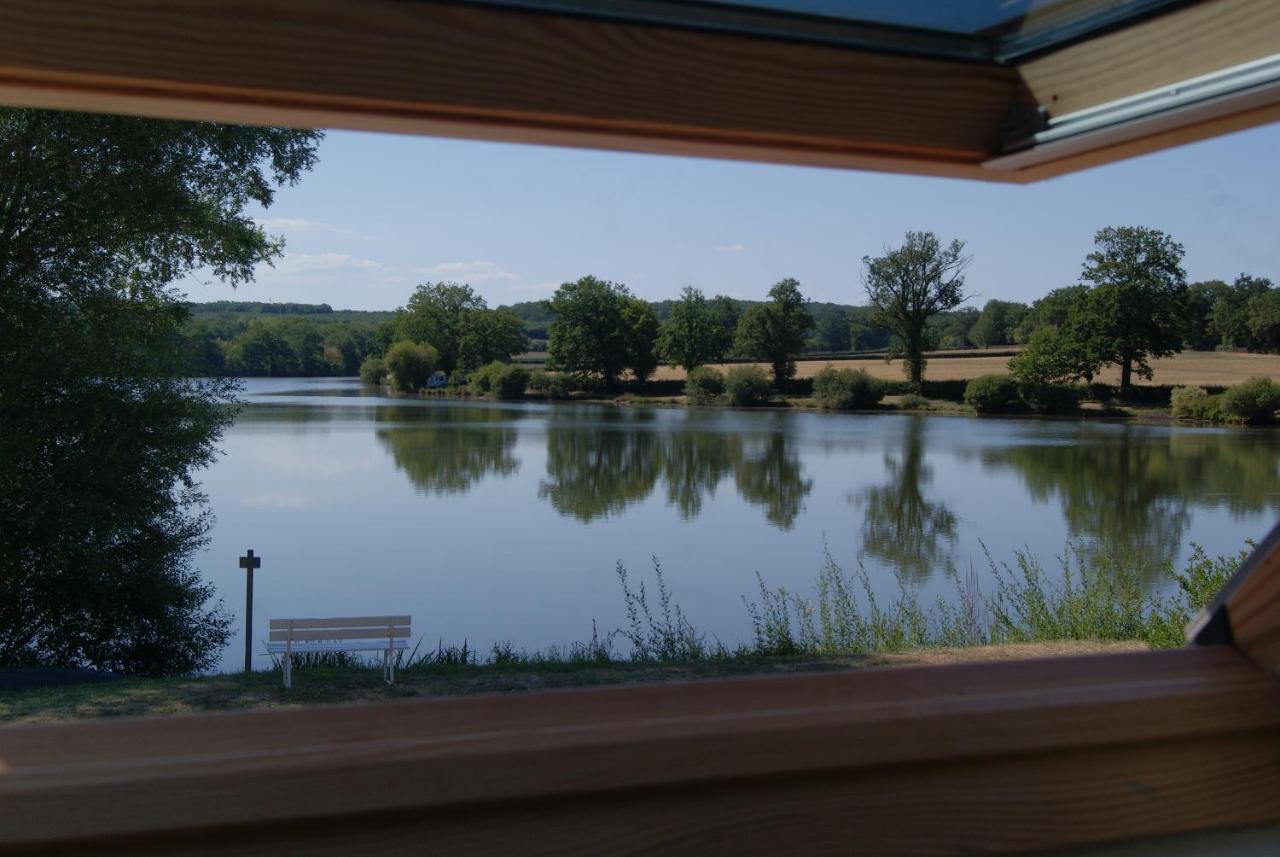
{"x":945,"y":389}
{"x":1089,"y":595}
{"x":347,"y":685}
{"x":1090,"y":602}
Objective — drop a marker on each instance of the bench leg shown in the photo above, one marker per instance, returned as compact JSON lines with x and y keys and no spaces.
{"x":388,"y":668}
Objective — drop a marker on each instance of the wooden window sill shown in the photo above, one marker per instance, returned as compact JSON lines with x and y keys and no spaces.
{"x":981,"y":758}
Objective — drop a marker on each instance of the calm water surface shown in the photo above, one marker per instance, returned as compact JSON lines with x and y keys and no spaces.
{"x":491,"y":522}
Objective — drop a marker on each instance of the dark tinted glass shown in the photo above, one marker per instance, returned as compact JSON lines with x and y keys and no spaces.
{"x":954,"y":16}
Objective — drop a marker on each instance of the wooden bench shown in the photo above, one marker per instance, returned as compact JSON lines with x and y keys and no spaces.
{"x":386,"y":634}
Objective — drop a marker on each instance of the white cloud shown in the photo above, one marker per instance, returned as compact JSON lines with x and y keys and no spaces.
{"x":299,"y":225}
{"x":546,"y":287}
{"x":306,"y":263}
{"x":474,"y":272}
{"x":730,"y":248}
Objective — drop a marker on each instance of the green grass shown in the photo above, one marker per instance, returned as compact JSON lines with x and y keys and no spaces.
{"x":1093,"y":601}
{"x":1095,"y":595}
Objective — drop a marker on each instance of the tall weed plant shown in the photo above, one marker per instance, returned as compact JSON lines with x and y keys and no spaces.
{"x":1091,"y":594}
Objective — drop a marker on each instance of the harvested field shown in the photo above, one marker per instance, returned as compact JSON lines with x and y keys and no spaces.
{"x":1201,"y":368}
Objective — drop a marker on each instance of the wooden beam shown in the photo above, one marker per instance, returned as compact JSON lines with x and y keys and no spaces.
{"x":383,"y":633}
{"x":1246,"y":612}
{"x":487,"y":73}
{"x":984,"y":758}
{"x":339,"y":622}
{"x":442,"y":69}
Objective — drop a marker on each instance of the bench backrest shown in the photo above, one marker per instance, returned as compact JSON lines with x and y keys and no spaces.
{"x":339,"y":628}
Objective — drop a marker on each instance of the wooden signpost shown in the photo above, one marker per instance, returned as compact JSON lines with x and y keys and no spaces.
{"x":249,"y":562}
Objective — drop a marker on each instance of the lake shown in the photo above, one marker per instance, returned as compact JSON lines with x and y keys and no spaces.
{"x":504,"y":522}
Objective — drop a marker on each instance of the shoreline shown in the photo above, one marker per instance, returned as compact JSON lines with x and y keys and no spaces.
{"x":806,"y":404}
{"x":324,"y":686}
{"x":1094,"y":411}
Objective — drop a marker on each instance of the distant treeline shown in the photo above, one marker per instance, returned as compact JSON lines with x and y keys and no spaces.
{"x":228,"y":310}
{"x":261,"y":342}
{"x":836,"y":327}
{"x":251,"y":338}
{"x":1242,"y":315}
{"x":260,"y":308}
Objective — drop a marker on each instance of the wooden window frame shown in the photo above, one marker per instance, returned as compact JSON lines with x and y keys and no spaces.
{"x":486,"y":72}
{"x":981,"y":758}
{"x":974,"y":759}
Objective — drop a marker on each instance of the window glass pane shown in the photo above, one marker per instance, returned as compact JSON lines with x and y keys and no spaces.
{"x":967,"y":17}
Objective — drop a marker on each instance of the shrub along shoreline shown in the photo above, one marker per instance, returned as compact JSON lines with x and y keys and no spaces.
{"x":1093,"y":601}
{"x":1254,"y":402}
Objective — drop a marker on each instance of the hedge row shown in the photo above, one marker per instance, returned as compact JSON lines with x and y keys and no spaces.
{"x":1002,"y":394}
{"x":1253,"y":402}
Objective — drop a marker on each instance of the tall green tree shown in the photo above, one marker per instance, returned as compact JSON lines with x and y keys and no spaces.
{"x":410,"y":364}
{"x":1052,"y":309}
{"x":352,"y":345}
{"x":1067,"y":345}
{"x":457,"y":322}
{"x":1137,"y":303}
{"x":383,"y":336}
{"x":102,"y":429}
{"x":726,"y":312}
{"x":436,"y":315}
{"x":1264,"y":321}
{"x":590,"y":335}
{"x":831,"y":329}
{"x":1202,"y":297}
{"x":690,"y":335}
{"x":260,"y":351}
{"x":996,"y":323}
{"x":1053,"y":355}
{"x":1229,"y":317}
{"x":775,"y":331}
{"x":642,"y":325}
{"x":909,"y":285}
{"x":207,"y":356}
{"x":306,"y":343}
{"x":954,"y":328}
{"x":490,"y":335}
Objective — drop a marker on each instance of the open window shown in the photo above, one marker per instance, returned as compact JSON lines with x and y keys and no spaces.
{"x":996,"y":91}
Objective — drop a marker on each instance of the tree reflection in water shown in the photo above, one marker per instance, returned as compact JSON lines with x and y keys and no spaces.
{"x":775,"y":480}
{"x":598,"y":467}
{"x":693,"y":464}
{"x":1130,"y":491}
{"x":901,"y":527}
{"x":595,"y":471}
{"x":447,"y":450}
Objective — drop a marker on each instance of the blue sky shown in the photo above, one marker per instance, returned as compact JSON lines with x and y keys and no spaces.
{"x":382,"y":213}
